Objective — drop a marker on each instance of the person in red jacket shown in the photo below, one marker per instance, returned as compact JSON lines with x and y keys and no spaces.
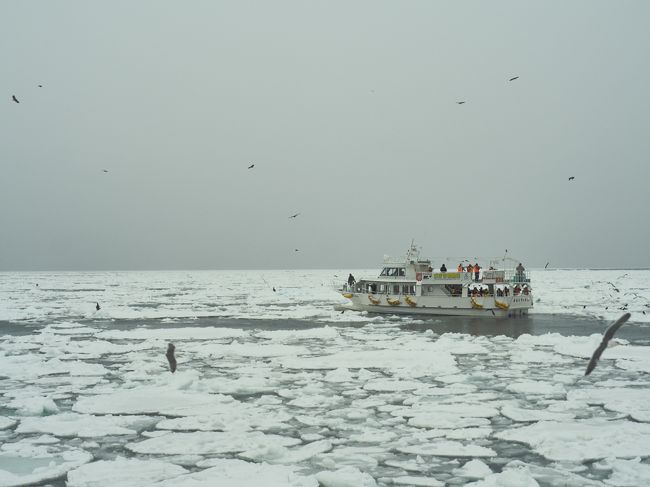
{"x":477,"y":269}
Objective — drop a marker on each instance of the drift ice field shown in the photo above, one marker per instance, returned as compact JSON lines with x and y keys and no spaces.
{"x":283,"y":389}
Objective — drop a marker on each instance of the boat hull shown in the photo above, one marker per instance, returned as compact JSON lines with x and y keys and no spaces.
{"x":451,"y":306}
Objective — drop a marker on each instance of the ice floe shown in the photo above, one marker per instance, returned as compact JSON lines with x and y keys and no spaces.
{"x":27,"y":463}
{"x":239,"y":473}
{"x":209,"y":443}
{"x":474,"y":469}
{"x":85,"y":425}
{"x":448,"y":449}
{"x":345,"y":477}
{"x":123,"y":472}
{"x":583,"y":440}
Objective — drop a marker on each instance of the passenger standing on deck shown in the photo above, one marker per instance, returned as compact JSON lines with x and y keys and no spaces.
{"x":477,"y":269}
{"x":351,"y":280}
{"x":443,"y":268}
{"x":460,"y":267}
{"x":520,"y":272}
{"x":470,"y":270}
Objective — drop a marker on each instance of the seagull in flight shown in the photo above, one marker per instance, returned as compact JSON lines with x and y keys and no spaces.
{"x":105,"y":170}
{"x":607,"y":337}
{"x":546,"y":265}
{"x":13,"y":97}
{"x":171,"y":358}
{"x":572,"y":178}
{"x":460,"y":102}
{"x":251,"y":166}
{"x":294,"y":216}
{"x":296,"y":250}
{"x":512,"y":79}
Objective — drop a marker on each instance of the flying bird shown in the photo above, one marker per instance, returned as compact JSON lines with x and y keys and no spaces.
{"x":13,"y":97}
{"x":274,"y":289}
{"x":546,"y":265}
{"x":105,"y":170}
{"x":97,"y":306}
{"x":40,"y":86}
{"x":512,"y":79}
{"x":607,"y":336}
{"x":460,"y":102}
{"x":251,"y":166}
{"x":294,"y":216}
{"x":296,"y":250}
{"x":170,"y":357}
{"x":572,"y":178}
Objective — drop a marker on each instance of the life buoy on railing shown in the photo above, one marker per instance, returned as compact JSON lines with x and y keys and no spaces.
{"x":372,"y":299}
{"x":393,"y":302}
{"x":410,"y":301}
{"x":476,"y":305}
{"x":348,"y":295}
{"x":501,"y":305}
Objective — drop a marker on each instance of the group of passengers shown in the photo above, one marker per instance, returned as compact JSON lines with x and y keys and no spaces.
{"x":476,"y":292}
{"x":503,"y":292}
{"x":525,"y":290}
{"x":472,"y":269}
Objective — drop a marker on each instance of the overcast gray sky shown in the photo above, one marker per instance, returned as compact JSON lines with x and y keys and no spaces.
{"x":348,"y":111}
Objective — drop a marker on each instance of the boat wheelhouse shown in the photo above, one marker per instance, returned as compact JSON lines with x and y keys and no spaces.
{"x":412,"y":286}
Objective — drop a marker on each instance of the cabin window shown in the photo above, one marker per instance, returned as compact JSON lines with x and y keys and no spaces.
{"x":408,"y":289}
{"x":454,"y":289}
{"x":395,"y":289}
{"x":402,"y":271}
{"x":384,"y":271}
{"x":382,"y":288}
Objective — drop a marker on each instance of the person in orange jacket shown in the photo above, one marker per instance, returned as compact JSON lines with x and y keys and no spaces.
{"x":460,"y":267}
{"x":477,"y":269}
{"x":470,"y":269}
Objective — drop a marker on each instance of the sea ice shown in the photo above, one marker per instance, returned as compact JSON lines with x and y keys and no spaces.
{"x":122,"y":472}
{"x":417,"y":481}
{"x":175,"y":334}
{"x":579,"y":441}
{"x":448,"y":448}
{"x":626,"y":473}
{"x":33,"y":406}
{"x":555,"y":475}
{"x":516,"y":477}
{"x":276,"y":454}
{"x":345,"y":477}
{"x":532,"y":387}
{"x":150,"y":400}
{"x":474,"y":469}
{"x":230,"y":417}
{"x":417,"y":363}
{"x":530,"y":415}
{"x":238,"y":473}
{"x":204,"y":443}
{"x":6,"y":423}
{"x":84,"y":425}
{"x":23,"y":463}
{"x":632,"y":401}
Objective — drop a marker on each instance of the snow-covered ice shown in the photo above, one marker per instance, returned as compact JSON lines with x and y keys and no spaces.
{"x":282,"y":386}
{"x":123,"y":472}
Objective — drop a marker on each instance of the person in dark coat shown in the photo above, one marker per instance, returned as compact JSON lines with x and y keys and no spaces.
{"x":351,"y":280}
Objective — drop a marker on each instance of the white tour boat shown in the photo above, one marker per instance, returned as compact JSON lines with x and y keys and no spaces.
{"x":411,"y":285}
